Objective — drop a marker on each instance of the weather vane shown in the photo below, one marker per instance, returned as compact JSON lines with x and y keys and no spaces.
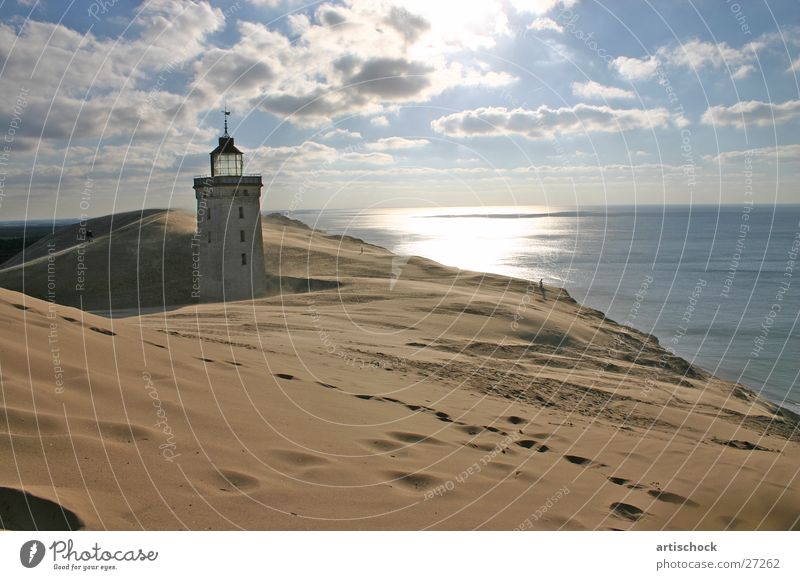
{"x":225,"y":113}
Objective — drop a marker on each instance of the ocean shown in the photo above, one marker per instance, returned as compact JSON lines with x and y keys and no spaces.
{"x":718,"y":284}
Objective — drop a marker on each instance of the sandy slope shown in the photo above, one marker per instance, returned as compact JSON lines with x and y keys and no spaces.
{"x":406,"y":397}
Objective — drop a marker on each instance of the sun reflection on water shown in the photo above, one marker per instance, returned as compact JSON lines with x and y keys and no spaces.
{"x":486,"y":239}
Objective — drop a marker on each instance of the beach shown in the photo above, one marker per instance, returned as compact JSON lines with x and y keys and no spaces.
{"x":366,"y":390}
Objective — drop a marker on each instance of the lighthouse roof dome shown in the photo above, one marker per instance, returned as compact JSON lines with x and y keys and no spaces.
{"x":226,"y":146}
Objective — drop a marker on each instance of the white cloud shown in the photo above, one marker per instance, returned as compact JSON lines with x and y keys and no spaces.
{"x":782,"y":153}
{"x":394,"y":143}
{"x":594,"y":90}
{"x":311,"y":154}
{"x":540,"y":6}
{"x":743,"y":72}
{"x":339,"y":133}
{"x":545,"y":122}
{"x":701,"y":54}
{"x":694,"y":54}
{"x":636,"y":69}
{"x":544,"y":23}
{"x":379,"y":121}
{"x":306,"y":153}
{"x":368,"y":158}
{"x":748,"y":113}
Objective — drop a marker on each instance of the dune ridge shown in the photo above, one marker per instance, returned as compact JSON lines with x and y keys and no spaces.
{"x":385,"y":395}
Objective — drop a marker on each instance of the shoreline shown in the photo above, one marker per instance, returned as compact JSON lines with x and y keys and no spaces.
{"x":405,"y":396}
{"x":281,"y":217}
{"x":716,"y":354}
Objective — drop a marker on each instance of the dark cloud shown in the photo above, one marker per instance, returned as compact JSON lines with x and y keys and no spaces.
{"x":391,"y":78}
{"x":409,"y":25}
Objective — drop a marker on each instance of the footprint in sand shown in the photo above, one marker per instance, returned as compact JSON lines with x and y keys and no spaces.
{"x":285,"y":376}
{"x":381,"y":445}
{"x":743,"y":445}
{"x":531,"y":444}
{"x":232,"y":479}
{"x":627,"y":511}
{"x":672,"y":498}
{"x":413,"y":481}
{"x":583,"y":461}
{"x":103,"y":331}
{"x":297,"y":459}
{"x":407,"y":437}
{"x":444,"y":417}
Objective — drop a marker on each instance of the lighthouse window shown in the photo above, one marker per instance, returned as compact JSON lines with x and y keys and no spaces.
{"x":244,"y":259}
{"x":209,"y":237}
{"x":241,"y":235}
{"x":241,"y":212}
{"x":208,"y":214}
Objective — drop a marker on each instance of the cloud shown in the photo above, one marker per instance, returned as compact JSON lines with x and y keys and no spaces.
{"x":84,"y":86}
{"x":357,"y":58}
{"x":545,"y":122}
{"x":394,"y":143}
{"x":454,"y":25}
{"x":339,"y":133}
{"x":306,"y":153}
{"x":313,"y":155}
{"x":391,"y":78}
{"x":748,"y":113}
{"x":540,"y":6}
{"x":636,"y":69}
{"x":410,"y":26}
{"x":700,"y":54}
{"x":594,"y":90}
{"x":368,"y":158}
{"x":379,"y":121}
{"x":782,"y":153}
{"x":743,"y":72}
{"x":694,"y":54}
{"x":544,"y":23}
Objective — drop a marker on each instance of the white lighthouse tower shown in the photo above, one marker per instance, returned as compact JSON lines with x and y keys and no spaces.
{"x":231,"y":251}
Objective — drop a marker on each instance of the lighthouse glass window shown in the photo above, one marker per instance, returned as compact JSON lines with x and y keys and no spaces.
{"x":228,"y":164}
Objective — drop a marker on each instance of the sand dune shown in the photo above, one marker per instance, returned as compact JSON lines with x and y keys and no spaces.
{"x":397,"y":394}
{"x":137,"y":260}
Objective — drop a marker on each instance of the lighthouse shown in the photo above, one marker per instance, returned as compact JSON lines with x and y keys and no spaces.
{"x":231,"y":251}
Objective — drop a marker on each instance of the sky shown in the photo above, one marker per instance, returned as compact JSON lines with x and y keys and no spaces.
{"x":114,"y":105}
